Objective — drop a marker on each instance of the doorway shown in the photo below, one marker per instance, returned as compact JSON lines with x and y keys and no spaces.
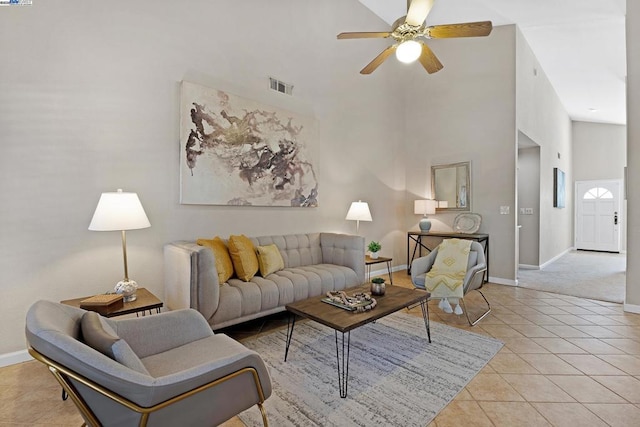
{"x":598,"y":215}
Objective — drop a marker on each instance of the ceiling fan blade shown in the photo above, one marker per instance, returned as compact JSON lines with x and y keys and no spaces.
{"x":371,"y":66}
{"x":364,"y":35}
{"x":429,"y":60}
{"x":418,"y":11}
{"x":467,"y":29}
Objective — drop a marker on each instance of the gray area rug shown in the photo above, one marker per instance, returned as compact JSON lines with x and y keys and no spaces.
{"x":593,"y":275}
{"x":396,"y":378}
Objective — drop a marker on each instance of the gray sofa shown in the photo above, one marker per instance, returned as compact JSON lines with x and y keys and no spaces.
{"x":314,"y":264}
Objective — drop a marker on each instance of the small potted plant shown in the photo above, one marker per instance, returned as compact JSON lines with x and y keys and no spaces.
{"x":377,"y":286}
{"x":374,"y":247}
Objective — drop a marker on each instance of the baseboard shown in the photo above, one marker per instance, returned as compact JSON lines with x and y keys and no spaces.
{"x":561,"y":254}
{"x":501,"y":281}
{"x":385,"y":272}
{"x":631,"y":308}
{"x":528,"y":267}
{"x":15,"y":357}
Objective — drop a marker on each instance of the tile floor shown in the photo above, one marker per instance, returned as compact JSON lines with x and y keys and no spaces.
{"x":566,"y":361}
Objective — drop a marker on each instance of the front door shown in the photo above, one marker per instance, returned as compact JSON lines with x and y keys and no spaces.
{"x":598,"y":215}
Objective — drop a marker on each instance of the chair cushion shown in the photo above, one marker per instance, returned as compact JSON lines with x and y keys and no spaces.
{"x":100,"y":336}
{"x":269,"y":259}
{"x":224,"y":264}
{"x":243,"y":255}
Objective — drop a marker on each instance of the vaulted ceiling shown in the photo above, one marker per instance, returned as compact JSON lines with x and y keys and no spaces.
{"x":580,"y":44}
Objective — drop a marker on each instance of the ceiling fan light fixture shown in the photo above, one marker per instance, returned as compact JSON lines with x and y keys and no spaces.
{"x":408,"y":51}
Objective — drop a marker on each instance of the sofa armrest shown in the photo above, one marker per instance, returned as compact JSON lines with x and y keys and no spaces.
{"x":191,"y":278}
{"x":344,"y":249}
{"x":155,"y":334}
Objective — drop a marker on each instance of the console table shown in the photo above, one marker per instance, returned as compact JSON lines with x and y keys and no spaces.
{"x":417,"y":237}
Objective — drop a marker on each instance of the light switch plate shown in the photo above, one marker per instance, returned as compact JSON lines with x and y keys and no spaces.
{"x":504,"y":210}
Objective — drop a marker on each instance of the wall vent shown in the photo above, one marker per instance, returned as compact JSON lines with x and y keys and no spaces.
{"x":280,"y":86}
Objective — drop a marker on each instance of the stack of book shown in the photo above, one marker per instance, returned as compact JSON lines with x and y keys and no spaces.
{"x":103,"y":304}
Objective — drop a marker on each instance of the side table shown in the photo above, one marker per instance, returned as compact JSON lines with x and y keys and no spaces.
{"x":145,"y":301}
{"x":368,"y":261}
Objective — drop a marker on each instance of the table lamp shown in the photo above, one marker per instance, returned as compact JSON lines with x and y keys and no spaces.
{"x":425,"y":207}
{"x":120,"y":211}
{"x":359,"y":211}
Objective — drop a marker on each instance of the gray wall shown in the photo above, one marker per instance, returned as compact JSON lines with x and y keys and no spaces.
{"x":89,"y":102}
{"x":467,"y":113}
{"x":633,"y":155}
{"x":599,"y":151}
{"x":541,"y":116}
{"x":529,"y":198}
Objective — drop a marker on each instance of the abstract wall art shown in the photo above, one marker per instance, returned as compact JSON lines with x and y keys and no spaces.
{"x":558,"y":188}
{"x":235,"y":151}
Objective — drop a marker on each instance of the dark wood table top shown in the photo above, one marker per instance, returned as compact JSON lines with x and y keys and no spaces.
{"x":368,"y":260}
{"x":448,"y":234}
{"x":395,"y":298}
{"x":145,"y":301}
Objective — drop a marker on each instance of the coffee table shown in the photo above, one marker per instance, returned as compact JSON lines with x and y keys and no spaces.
{"x":395,"y":298}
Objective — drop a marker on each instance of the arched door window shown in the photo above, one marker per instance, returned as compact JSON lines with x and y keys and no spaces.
{"x":598,"y":193}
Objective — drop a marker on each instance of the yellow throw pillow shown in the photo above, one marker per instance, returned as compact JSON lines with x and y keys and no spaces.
{"x":221,"y":253}
{"x":269,"y":259}
{"x":243,"y":255}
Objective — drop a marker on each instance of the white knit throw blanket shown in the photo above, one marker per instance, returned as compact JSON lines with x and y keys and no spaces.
{"x":446,"y":276}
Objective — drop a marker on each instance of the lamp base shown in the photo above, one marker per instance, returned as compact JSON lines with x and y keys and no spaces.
{"x":425,"y":225}
{"x":128,"y":289}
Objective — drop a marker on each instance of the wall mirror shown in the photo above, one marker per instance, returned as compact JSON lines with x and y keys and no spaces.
{"x":451,"y":186}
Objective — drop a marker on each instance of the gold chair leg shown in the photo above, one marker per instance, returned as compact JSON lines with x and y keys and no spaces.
{"x":265,"y":421}
{"x":466,"y":312}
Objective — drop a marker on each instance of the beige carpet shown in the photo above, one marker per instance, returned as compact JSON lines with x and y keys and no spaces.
{"x":594,"y":275}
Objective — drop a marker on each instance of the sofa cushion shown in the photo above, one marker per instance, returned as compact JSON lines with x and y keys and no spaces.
{"x":269,"y":259}
{"x":243,"y":255}
{"x":224,"y":265}
{"x":101,"y":337}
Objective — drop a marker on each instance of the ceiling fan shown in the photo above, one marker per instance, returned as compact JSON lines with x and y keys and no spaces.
{"x":408,"y":30}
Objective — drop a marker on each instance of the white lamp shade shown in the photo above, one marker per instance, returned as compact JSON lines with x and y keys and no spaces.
{"x":119,"y":211}
{"x":424,"y":207}
{"x":359,"y":211}
{"x":408,"y":51}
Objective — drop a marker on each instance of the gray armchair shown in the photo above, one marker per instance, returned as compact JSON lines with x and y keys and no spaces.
{"x":163,"y":370}
{"x":473,"y":280}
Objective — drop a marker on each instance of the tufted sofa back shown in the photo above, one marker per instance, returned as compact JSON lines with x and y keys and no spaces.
{"x":296,"y":249}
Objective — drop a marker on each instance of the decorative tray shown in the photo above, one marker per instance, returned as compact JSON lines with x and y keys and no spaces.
{"x":358,"y":302}
{"x":467,"y":223}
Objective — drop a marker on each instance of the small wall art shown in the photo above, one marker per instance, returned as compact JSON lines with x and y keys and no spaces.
{"x":558,"y":188}
{"x":235,"y":151}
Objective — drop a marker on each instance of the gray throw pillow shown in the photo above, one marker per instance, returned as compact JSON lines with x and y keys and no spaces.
{"x":101,"y":337}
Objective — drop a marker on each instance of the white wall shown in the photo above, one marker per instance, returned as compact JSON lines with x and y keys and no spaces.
{"x":632,"y":299}
{"x":466,"y":112}
{"x":89,"y":102}
{"x":541,"y":116}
